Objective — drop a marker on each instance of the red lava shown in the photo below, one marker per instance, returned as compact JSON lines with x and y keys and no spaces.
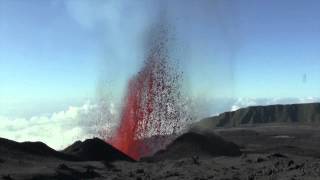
{"x":150,"y":106}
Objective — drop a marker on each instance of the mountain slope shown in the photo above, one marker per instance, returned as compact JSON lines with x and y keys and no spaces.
{"x":197,"y":144}
{"x":89,"y":150}
{"x":294,"y":113}
{"x":96,"y":150}
{"x":24,"y":149}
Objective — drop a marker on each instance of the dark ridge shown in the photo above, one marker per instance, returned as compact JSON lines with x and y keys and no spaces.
{"x":195,"y":144}
{"x":34,"y":148}
{"x":294,"y":113}
{"x":96,"y":150}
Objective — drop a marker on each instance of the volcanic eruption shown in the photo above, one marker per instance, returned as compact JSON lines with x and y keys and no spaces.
{"x":153,"y":105}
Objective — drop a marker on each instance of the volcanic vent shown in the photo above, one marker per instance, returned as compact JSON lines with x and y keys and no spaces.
{"x":153,"y":106}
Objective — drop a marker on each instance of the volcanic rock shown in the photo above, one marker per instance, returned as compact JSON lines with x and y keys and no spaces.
{"x":294,"y":113}
{"x":96,"y":150}
{"x":9,"y":147}
{"x":195,"y":144}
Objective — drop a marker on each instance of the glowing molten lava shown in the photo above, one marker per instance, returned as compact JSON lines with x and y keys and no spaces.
{"x":151,"y":105}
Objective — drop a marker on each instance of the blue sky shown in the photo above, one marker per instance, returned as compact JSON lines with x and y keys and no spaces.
{"x":58,"y":53}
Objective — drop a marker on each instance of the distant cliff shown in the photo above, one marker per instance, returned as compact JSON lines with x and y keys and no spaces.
{"x":294,"y":113}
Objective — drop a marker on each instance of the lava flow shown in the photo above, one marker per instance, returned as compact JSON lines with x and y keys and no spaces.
{"x":151,"y":106}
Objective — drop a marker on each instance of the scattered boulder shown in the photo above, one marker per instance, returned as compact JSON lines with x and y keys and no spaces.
{"x":7,"y":177}
{"x":290,"y":163}
{"x":260,"y":159}
{"x":277,"y":155}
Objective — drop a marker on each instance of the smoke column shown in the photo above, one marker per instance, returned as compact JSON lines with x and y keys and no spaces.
{"x":153,"y":103}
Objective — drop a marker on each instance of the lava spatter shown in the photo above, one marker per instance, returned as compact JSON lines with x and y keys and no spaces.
{"x":152,"y":103}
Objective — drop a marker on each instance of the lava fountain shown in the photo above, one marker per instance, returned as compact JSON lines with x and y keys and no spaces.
{"x":152,"y":106}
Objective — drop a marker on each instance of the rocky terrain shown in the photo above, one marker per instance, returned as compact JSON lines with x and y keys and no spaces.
{"x":266,"y":151}
{"x":193,"y":144}
{"x":255,"y":115}
{"x":95,"y":150}
{"x":274,"y":152}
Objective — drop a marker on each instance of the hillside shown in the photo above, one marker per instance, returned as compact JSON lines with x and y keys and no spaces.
{"x":23,"y":150}
{"x":96,"y":150}
{"x":294,"y":113}
{"x":193,"y":144}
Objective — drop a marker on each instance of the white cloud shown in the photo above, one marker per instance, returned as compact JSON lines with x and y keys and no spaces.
{"x":235,"y":107}
{"x":59,"y":129}
{"x":243,"y":102}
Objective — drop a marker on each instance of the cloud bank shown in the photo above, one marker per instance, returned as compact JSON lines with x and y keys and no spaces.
{"x":59,"y":129}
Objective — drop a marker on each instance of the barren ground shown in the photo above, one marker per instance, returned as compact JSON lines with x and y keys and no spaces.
{"x":270,"y":152}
